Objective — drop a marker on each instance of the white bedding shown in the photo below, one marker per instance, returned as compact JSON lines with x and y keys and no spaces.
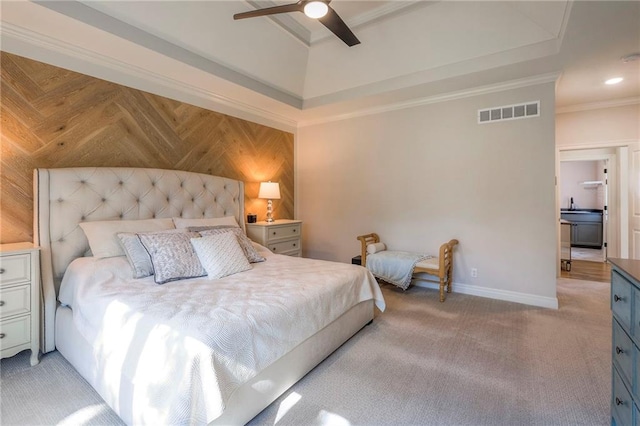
{"x":187,"y":345}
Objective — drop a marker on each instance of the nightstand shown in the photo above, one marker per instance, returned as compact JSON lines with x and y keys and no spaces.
{"x":282,"y":236}
{"x":19,"y":299}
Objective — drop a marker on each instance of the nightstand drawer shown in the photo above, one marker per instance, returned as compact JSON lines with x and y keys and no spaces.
{"x":285,"y":246}
{"x":15,"y":269}
{"x":15,"y":332}
{"x":280,"y":232}
{"x":15,"y":301}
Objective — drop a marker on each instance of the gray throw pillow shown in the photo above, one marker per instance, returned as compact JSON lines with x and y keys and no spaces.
{"x":172,"y":256}
{"x":136,"y":254}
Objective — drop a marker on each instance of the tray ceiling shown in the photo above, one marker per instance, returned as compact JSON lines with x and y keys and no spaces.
{"x":295,"y":68}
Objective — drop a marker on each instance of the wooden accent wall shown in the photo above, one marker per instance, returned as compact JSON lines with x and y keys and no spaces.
{"x":52,"y":117}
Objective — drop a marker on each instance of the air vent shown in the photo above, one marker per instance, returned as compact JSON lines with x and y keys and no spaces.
{"x":509,"y":112}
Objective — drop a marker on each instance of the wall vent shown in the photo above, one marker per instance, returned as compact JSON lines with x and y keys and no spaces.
{"x":509,"y":112}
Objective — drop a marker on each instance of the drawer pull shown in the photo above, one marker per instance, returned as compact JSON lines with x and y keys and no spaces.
{"x":2,"y":335}
{"x":619,"y":401}
{"x":619,"y":350}
{"x":617,"y":298}
{"x":274,"y":232}
{"x":294,"y":244}
{"x":1,"y":302}
{"x":1,"y":270}
{"x":294,"y":229}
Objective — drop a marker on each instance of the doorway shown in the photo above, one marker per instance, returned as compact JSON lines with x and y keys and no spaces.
{"x":583,"y":202}
{"x":586,"y":184}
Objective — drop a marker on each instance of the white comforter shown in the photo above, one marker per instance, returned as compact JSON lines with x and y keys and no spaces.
{"x":185,"y":346}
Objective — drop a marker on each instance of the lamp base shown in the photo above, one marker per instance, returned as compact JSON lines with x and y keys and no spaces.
{"x":269,"y":212}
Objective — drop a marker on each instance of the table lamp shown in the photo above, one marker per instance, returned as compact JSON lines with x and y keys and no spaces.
{"x":269,"y":191}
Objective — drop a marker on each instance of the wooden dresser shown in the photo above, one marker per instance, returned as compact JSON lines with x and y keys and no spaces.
{"x":282,"y":236}
{"x":19,"y":299}
{"x":625,"y":307}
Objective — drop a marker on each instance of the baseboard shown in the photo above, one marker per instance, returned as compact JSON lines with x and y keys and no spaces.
{"x":494,"y":293}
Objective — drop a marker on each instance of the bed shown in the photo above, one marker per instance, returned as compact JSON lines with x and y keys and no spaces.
{"x":191,"y":351}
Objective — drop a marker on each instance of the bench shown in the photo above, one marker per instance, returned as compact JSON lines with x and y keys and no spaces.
{"x":441,"y":266}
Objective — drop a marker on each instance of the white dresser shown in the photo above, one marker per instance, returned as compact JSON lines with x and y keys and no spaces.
{"x":19,"y":299}
{"x":282,"y":236}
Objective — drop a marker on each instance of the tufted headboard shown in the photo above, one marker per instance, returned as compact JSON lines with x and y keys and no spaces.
{"x":66,"y":197}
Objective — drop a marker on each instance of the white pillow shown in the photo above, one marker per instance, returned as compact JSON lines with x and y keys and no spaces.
{"x":102,"y":235}
{"x":245,"y":243}
{"x":375,"y":248}
{"x":220,"y":255}
{"x":209,"y":221}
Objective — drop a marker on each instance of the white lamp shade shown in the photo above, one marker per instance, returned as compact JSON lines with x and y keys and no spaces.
{"x":269,"y":190}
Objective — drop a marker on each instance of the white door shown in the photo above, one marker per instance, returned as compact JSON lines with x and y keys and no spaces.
{"x":634,"y":220}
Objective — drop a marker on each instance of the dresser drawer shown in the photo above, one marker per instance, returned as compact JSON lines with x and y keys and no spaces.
{"x":15,"y":269}
{"x":621,"y":401}
{"x":621,"y":299}
{"x":15,"y":301}
{"x":622,"y":353}
{"x":285,"y":246}
{"x":280,"y":232}
{"x":15,"y":332}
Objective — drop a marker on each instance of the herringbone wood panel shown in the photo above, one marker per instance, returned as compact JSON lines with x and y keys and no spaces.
{"x":52,"y":117}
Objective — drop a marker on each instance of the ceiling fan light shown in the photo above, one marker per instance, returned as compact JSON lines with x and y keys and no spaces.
{"x":614,"y":80}
{"x":316,"y":9}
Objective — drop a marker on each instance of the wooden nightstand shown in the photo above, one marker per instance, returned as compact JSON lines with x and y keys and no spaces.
{"x":19,"y":299}
{"x":283,"y":236}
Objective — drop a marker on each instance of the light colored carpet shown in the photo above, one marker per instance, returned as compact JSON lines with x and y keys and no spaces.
{"x":468,"y":361}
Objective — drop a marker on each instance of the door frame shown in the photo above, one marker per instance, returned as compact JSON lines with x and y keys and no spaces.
{"x":617,"y":228}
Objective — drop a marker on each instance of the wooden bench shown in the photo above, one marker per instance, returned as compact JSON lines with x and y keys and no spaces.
{"x":441,"y":266}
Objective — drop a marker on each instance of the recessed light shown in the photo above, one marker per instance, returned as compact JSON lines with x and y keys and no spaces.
{"x":615,"y":80}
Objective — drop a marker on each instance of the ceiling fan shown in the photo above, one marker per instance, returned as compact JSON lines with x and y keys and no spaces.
{"x":316,"y":9}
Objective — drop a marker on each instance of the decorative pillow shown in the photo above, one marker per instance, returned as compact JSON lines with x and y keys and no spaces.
{"x":210,"y":221}
{"x":221,"y":255}
{"x":102,"y":234}
{"x":375,"y":248}
{"x":247,"y":247}
{"x":172,"y":256}
{"x":137,"y":255}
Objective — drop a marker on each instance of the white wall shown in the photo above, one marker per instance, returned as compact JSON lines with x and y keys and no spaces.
{"x":614,"y":129}
{"x":598,"y":127}
{"x":573,"y":174}
{"x":421,"y":176}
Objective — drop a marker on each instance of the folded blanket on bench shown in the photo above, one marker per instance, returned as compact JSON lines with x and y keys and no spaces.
{"x":394,"y":267}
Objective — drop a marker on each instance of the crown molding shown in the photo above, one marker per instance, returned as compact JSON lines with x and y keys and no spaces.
{"x":477,"y":91}
{"x":14,"y":39}
{"x":614,"y":103}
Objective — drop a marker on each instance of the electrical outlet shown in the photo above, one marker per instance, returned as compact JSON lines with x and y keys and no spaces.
{"x":474,"y":272}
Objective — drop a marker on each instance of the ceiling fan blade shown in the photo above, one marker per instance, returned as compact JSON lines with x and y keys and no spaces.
{"x":337,"y":26}
{"x":295,"y":7}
